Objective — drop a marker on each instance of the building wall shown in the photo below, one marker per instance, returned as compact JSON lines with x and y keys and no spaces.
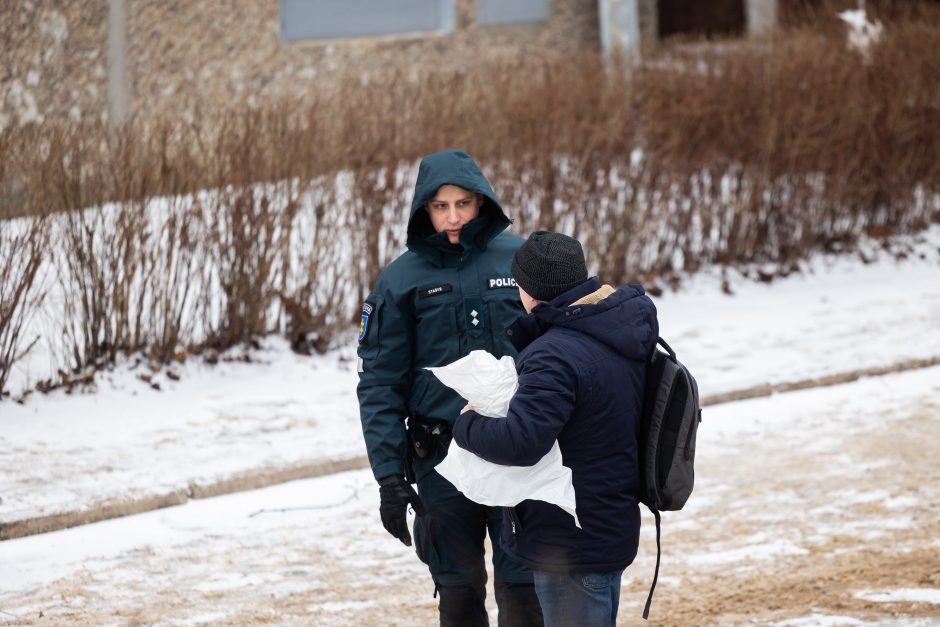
{"x":217,"y":53}
{"x":52,"y":60}
{"x":649,"y":21}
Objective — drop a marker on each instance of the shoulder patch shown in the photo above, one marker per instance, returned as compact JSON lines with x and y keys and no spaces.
{"x":499,"y":282}
{"x":367,"y":311}
{"x":434,"y":291}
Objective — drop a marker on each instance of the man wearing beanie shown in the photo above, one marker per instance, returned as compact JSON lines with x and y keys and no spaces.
{"x":450,"y":293}
{"x":583,"y":348}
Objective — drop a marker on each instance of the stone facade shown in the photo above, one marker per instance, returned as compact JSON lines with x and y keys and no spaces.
{"x":52,"y":60}
{"x":218,"y":53}
{"x":65,"y":60}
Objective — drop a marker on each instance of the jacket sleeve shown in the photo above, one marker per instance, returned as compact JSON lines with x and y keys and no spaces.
{"x":385,"y":353}
{"x":539,"y":410}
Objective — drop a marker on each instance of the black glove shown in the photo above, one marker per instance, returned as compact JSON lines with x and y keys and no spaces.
{"x":395,"y":494}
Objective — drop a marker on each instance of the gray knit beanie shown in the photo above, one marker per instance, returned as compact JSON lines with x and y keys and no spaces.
{"x":549,"y":264}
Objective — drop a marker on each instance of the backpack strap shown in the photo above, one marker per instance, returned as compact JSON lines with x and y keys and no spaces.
{"x":649,"y":599}
{"x":662,"y":342}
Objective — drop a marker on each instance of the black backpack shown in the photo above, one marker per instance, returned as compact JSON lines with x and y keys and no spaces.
{"x":671,"y":414}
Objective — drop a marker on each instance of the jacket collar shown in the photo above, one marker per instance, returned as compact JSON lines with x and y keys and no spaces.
{"x":528,"y":327}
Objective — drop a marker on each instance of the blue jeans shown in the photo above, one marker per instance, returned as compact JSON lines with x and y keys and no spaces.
{"x":588,"y":599}
{"x":449,"y":539}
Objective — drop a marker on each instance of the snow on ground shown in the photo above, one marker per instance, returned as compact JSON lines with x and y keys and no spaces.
{"x":915,"y":595}
{"x":837,"y":316}
{"x":61,"y":452}
{"x":819,"y":507}
{"x":795,"y":520}
{"x":64,"y":452}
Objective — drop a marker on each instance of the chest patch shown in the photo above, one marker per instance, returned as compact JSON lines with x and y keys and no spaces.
{"x":435,"y":291}
{"x":473,"y":307}
{"x":499,"y":282}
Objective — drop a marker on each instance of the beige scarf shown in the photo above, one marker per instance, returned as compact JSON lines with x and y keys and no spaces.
{"x":595,"y":297}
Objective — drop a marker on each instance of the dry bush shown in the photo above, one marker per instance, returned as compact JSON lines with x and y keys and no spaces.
{"x":313,"y":275}
{"x":829,"y":145}
{"x":212,"y":228}
{"x":821,"y":15}
{"x":102,"y":270}
{"x":22,"y":243}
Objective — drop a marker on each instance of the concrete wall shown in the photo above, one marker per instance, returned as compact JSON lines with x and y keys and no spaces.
{"x":762,"y":17}
{"x":223,"y":52}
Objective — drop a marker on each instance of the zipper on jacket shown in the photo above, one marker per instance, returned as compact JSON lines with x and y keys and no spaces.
{"x":513,"y":519}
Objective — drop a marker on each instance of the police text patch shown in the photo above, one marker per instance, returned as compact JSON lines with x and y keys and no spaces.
{"x":499,"y":282}
{"x":434,"y":291}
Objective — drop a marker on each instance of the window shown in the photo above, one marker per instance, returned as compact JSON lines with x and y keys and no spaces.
{"x":334,"y":19}
{"x":511,"y":11}
{"x":701,"y":17}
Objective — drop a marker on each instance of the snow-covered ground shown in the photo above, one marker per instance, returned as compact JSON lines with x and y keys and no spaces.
{"x":64,"y":453}
{"x":814,"y":507}
{"x":819,"y":507}
{"x":67,"y":452}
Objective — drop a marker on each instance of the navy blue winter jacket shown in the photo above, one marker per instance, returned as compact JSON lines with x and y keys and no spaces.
{"x":581,"y":367}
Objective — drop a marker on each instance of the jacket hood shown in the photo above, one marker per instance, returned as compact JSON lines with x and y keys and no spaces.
{"x":625,"y":320}
{"x":452,"y":167}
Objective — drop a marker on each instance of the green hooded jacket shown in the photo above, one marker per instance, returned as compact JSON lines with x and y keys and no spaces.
{"x":431,"y":306}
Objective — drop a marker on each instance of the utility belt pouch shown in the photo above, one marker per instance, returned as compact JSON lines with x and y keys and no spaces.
{"x":441,"y":435}
{"x":419,"y":435}
{"x":428,"y":437}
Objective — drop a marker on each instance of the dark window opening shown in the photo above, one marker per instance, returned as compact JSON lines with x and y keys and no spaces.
{"x":711,"y":18}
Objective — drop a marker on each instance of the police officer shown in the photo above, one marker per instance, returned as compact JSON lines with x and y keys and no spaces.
{"x":450,"y":293}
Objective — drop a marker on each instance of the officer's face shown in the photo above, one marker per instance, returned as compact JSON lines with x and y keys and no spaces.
{"x":451,"y":209}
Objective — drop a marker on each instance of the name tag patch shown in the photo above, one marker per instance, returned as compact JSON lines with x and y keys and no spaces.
{"x":434,"y":291}
{"x":499,"y":282}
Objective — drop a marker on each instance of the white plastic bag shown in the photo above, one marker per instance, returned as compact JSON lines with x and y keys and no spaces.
{"x":488,"y":384}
